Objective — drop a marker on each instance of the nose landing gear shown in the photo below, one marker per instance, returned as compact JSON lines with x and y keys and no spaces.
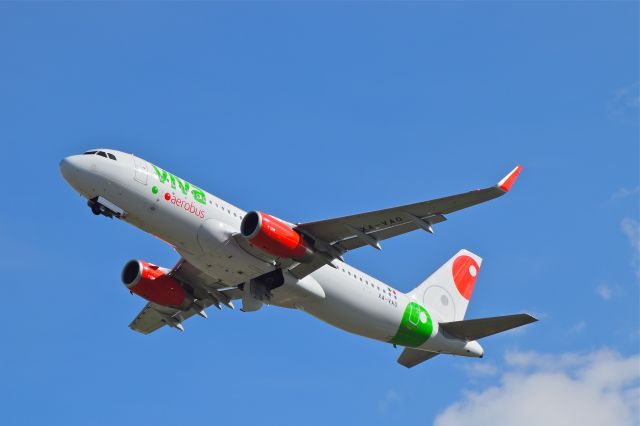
{"x":101,"y":206}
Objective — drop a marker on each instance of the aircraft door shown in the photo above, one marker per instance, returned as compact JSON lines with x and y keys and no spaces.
{"x":141,"y":170}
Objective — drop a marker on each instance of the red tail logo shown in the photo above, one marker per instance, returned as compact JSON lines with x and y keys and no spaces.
{"x":465,"y":270}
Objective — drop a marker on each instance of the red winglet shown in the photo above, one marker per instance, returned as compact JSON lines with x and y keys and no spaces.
{"x":506,"y":183}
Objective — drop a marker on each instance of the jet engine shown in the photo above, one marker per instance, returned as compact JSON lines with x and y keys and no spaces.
{"x":152,"y":283}
{"x":275,"y":237}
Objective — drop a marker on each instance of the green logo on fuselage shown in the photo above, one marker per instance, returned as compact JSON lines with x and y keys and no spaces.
{"x":416,"y":327}
{"x":177,"y":183}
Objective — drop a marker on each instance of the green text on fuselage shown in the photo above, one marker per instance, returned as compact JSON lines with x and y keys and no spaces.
{"x":177,"y":183}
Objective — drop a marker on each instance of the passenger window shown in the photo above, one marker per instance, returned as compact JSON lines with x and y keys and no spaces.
{"x":102,"y":154}
{"x":113,"y":157}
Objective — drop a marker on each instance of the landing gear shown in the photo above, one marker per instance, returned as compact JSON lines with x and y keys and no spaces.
{"x":261,"y":286}
{"x":258,"y":290}
{"x":101,"y":206}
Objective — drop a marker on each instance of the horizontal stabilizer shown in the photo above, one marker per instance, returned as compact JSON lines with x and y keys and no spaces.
{"x":412,"y":357}
{"x":482,"y":327}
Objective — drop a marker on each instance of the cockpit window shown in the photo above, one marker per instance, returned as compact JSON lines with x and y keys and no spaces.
{"x":102,"y":154}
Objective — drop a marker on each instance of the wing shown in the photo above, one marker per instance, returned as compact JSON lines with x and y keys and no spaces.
{"x":153,"y":317}
{"x":148,"y":320}
{"x":202,"y":285}
{"x":333,"y":237}
{"x":206,"y":290}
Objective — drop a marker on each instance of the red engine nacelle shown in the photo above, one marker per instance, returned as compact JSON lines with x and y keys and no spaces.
{"x":152,"y":283}
{"x":274,"y":237}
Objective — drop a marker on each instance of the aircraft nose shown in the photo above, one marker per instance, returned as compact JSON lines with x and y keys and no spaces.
{"x":67,"y":168}
{"x":70,"y":168}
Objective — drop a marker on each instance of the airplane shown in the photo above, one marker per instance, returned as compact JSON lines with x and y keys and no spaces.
{"x":228,"y":254}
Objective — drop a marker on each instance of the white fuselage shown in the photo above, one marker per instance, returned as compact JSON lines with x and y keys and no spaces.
{"x":203,"y":233}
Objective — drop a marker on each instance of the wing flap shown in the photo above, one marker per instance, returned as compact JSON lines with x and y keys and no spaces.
{"x":147,"y":321}
{"x":204,"y":286}
{"x":407,"y":224}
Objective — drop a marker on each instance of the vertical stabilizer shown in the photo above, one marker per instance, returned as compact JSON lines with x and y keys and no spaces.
{"x":448,"y":290}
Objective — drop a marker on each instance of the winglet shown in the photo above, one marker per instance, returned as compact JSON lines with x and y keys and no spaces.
{"x":507,"y":182}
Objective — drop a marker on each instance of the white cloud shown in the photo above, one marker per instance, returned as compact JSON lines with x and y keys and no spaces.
{"x":625,"y":100}
{"x":604,"y":291}
{"x":578,"y":327}
{"x":390,"y":398}
{"x":600,"y":388}
{"x":481,"y":369}
{"x":628,"y":96}
{"x":625,"y":192}
{"x":631,"y":228}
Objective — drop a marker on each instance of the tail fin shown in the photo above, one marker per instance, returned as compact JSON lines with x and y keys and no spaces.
{"x":448,"y":290}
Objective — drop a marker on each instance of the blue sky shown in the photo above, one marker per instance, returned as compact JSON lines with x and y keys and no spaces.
{"x":309,"y":111}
